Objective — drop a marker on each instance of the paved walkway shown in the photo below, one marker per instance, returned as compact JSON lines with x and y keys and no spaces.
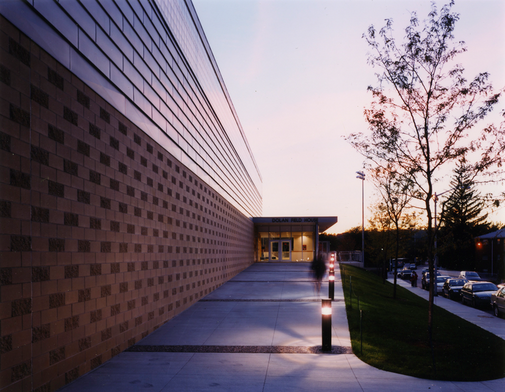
{"x":479,"y":317}
{"x":258,"y":332}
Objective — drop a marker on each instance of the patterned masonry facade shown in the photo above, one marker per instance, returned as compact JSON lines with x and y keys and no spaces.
{"x":104,"y":235}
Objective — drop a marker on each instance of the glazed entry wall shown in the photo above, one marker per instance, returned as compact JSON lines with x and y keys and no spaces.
{"x":285,"y":243}
{"x":289,"y":239}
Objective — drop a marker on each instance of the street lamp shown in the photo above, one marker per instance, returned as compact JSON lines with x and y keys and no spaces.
{"x":361,"y":176}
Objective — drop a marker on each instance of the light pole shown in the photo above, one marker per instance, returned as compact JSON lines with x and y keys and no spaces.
{"x":361,"y":176}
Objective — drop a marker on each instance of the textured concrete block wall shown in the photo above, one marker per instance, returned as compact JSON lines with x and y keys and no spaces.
{"x":104,"y":236}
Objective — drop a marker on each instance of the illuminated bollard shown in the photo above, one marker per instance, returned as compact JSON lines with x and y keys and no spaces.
{"x":331,"y":286}
{"x":326,"y":324}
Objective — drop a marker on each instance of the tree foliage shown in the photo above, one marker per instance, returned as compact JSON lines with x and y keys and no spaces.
{"x":424,"y":113}
{"x":462,"y":220}
{"x":395,"y":192}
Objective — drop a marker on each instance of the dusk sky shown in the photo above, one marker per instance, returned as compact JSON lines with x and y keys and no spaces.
{"x":297,"y":73}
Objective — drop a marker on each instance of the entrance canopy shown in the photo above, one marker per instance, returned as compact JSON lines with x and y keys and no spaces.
{"x":289,"y":239}
{"x":323,"y":222}
{"x":495,"y":234}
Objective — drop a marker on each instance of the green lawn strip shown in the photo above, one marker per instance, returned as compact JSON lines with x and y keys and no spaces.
{"x":395,"y":334}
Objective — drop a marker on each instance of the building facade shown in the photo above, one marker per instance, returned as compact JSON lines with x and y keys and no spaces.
{"x":490,"y":254}
{"x":290,"y":239}
{"x":127,"y":185}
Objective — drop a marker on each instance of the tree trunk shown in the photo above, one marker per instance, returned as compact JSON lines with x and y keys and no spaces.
{"x":396,"y":257}
{"x":433,"y":279}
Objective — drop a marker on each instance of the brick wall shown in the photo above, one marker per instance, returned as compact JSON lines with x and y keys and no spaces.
{"x":104,"y":236}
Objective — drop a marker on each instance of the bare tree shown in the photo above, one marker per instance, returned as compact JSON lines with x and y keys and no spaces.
{"x":396,"y":193}
{"x":424,"y":112}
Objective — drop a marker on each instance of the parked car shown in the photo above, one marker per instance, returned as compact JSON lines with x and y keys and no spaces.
{"x":413,"y":266}
{"x":425,"y":279}
{"x":452,"y":288}
{"x":498,"y":301}
{"x":405,"y":273}
{"x":478,"y":294}
{"x":440,"y":283}
{"x":470,"y":275}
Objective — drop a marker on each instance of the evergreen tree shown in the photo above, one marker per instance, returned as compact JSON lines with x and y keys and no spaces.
{"x":462,"y":220}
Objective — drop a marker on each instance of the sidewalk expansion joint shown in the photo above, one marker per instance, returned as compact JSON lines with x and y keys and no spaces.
{"x":277,"y":281}
{"x":267,"y":300}
{"x":238,"y":349}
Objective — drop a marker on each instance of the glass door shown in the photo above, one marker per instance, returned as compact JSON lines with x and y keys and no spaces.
{"x":280,"y":250}
{"x":274,"y":250}
{"x":286,"y":250}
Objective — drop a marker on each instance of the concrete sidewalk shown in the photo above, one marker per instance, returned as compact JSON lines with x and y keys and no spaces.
{"x":476,"y":316}
{"x":258,"y":332}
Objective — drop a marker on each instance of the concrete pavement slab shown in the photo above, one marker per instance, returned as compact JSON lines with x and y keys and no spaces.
{"x":145,"y":363}
{"x":258,"y":332}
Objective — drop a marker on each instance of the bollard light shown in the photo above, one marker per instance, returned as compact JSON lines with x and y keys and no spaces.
{"x":325,"y":307}
{"x":326,"y":311}
{"x":331,"y":286}
{"x":326,"y":324}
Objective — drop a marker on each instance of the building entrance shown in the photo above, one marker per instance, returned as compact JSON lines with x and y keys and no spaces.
{"x":280,"y":250}
{"x":288,"y":239}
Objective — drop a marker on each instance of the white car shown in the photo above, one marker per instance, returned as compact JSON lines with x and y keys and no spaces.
{"x":470,"y":275}
{"x":498,"y":301}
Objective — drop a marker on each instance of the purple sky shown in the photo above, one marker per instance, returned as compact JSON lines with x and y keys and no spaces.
{"x":297,"y":73}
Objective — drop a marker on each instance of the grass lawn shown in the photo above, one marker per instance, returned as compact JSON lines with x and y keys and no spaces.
{"x":395,"y":334}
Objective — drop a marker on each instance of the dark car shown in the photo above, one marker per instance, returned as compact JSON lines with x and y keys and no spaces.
{"x":452,"y":288}
{"x":498,"y":301}
{"x":405,"y":273}
{"x":425,"y":279}
{"x":440,"y":283}
{"x":478,"y":294}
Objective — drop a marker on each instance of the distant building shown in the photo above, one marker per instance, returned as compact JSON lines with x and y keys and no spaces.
{"x":490,"y":253}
